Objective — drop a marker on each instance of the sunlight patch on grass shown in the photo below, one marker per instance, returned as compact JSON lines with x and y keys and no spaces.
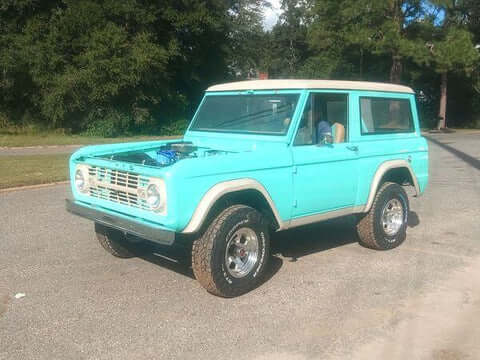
{"x":25,"y":170}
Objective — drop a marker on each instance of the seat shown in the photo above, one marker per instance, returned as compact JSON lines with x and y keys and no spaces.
{"x":338,"y":132}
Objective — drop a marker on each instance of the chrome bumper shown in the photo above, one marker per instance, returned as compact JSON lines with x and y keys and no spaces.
{"x":159,"y":236}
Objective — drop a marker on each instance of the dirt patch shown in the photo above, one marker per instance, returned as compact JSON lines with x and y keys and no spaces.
{"x":3,"y":304}
{"x":446,"y":354}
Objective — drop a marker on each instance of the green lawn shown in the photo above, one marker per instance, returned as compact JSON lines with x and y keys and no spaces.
{"x":19,"y":140}
{"x":22,"y":170}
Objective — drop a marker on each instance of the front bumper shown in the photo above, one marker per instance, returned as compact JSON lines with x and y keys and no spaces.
{"x":122,"y":223}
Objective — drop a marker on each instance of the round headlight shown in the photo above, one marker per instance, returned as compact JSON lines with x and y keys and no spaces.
{"x":80,"y":181}
{"x":153,"y":196}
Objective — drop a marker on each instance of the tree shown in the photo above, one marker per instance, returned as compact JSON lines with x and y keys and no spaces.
{"x":109,"y":66}
{"x":454,"y":52}
{"x":288,"y":46}
{"x":246,"y":37}
{"x":472,"y":18}
{"x":17,"y":91}
{"x":377,"y":27}
{"x":448,"y":46}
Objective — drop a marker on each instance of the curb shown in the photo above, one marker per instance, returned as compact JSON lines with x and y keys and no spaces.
{"x":32,"y":187}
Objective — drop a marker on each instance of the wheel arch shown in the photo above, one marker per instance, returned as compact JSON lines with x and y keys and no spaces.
{"x":240,"y":191}
{"x":397,"y":171}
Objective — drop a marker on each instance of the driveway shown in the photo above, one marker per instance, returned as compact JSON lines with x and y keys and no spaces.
{"x":325,"y":297}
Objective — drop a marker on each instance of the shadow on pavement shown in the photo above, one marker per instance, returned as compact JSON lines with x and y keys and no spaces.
{"x":291,"y":244}
{"x":165,"y":259}
{"x":474,"y":162}
{"x":413,"y":219}
{"x":178,"y":258}
{"x":315,"y":238}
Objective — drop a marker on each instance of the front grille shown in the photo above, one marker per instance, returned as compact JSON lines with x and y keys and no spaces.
{"x":121,"y":187}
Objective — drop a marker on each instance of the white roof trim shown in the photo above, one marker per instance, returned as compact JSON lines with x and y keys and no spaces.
{"x":309,"y":84}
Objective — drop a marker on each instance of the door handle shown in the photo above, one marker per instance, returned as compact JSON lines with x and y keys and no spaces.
{"x":352,"y":147}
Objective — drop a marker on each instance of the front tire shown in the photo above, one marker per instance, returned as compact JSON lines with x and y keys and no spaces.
{"x":385,"y":225}
{"x":231,"y":256}
{"x":113,"y":241}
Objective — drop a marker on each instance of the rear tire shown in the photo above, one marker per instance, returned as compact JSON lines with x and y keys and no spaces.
{"x":231,"y":256}
{"x":113,"y":241}
{"x":384,"y":227}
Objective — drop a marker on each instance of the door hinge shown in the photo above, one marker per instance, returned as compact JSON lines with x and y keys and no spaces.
{"x":294,"y":170}
{"x":294,"y":203}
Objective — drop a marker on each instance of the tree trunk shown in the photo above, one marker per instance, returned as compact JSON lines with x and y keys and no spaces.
{"x":361,"y":64}
{"x":442,"y":111}
{"x":396,"y":69}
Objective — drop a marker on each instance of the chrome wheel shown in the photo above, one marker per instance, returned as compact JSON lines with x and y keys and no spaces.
{"x":392,"y":217}
{"x":241,"y":253}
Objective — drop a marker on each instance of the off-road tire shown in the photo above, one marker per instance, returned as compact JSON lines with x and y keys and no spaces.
{"x":208,"y":252}
{"x":113,"y":241}
{"x":369,"y":227}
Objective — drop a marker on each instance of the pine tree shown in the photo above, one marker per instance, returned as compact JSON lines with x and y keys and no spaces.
{"x":447,"y":46}
{"x":377,"y":27}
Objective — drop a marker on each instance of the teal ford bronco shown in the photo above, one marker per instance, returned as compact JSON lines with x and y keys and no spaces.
{"x":258,"y":157}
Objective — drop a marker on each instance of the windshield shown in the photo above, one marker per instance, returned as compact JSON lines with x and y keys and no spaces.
{"x":256,"y":114}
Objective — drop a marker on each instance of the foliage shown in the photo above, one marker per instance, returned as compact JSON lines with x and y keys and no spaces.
{"x":287,"y":43}
{"x":107,"y":67}
{"x":407,"y":36}
{"x":246,"y":37}
{"x":381,"y":28}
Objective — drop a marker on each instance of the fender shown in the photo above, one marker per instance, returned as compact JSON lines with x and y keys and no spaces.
{"x":382,"y":170}
{"x":220,"y":189}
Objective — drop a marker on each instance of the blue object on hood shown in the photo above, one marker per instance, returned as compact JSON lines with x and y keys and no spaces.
{"x":166,"y":157}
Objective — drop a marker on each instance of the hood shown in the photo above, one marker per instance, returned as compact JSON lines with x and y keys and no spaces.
{"x":162,"y":155}
{"x":195,"y":157}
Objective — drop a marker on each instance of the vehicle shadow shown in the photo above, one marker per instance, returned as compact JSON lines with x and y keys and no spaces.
{"x":178,"y":258}
{"x":174,"y":259}
{"x":413,"y":219}
{"x":310,"y":239}
{"x":290,"y":245}
{"x":296,"y":243}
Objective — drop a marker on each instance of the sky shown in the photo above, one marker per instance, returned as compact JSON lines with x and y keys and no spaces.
{"x":271,"y":15}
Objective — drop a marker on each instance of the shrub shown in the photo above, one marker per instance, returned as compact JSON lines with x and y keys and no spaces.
{"x":109,"y":123}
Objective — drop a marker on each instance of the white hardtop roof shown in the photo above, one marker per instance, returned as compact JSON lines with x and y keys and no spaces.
{"x":309,"y":84}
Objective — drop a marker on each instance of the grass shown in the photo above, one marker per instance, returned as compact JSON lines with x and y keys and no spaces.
{"x":46,"y":139}
{"x":22,"y":170}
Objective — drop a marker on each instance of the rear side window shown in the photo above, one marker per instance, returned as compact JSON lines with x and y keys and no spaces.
{"x":385,"y":116}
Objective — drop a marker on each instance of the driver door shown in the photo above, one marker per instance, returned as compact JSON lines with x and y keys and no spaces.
{"x":325,"y":174}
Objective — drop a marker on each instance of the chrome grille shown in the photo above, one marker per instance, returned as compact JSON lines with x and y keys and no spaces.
{"x":117,"y":186}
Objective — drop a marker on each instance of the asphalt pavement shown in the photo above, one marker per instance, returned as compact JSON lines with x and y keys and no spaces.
{"x":325,"y":296}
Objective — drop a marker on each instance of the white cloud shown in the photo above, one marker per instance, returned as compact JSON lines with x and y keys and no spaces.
{"x":271,"y":14}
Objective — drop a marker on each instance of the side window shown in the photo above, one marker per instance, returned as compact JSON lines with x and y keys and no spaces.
{"x":324,"y":114}
{"x":384,"y":115}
